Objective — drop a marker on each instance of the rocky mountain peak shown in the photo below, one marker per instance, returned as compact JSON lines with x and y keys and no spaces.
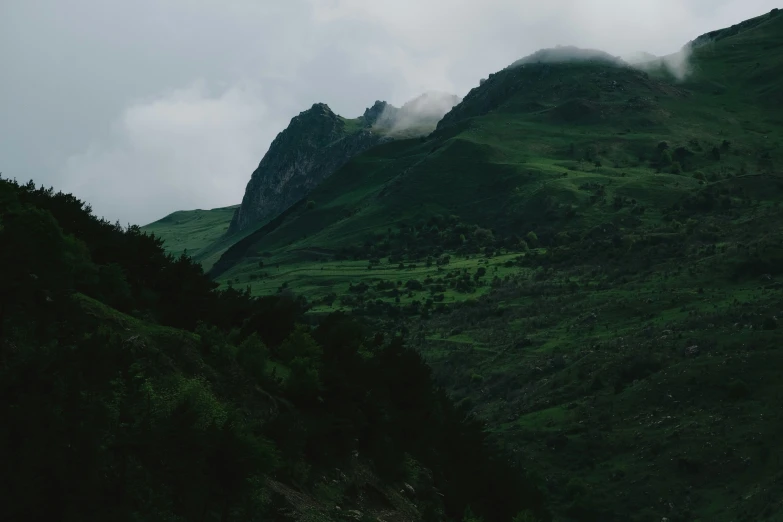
{"x":315,"y":144}
{"x":373,"y":114}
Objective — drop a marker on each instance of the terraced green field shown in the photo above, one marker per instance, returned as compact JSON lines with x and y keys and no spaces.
{"x":318,"y":280}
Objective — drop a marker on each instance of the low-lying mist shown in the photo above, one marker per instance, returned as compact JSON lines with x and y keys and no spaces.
{"x":676,"y":64}
{"x":416,"y":117}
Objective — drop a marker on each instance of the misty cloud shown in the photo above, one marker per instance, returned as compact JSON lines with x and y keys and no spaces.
{"x":568,"y":53}
{"x":418,"y":116}
{"x":677,"y":64}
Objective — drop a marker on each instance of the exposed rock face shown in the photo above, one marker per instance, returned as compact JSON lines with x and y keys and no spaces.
{"x":315,"y":144}
{"x":374,"y":113}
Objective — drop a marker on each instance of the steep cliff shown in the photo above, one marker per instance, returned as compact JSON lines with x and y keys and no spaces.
{"x":316,"y":143}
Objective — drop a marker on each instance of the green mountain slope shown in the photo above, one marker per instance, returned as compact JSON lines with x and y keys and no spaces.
{"x":314,"y":145}
{"x":589,"y":256}
{"x":531,"y":135}
{"x":192,"y":231}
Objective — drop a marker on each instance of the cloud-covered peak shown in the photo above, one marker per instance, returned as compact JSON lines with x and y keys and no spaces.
{"x":566,"y":54}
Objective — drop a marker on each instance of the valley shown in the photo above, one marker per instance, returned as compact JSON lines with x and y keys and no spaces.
{"x":588,"y":255}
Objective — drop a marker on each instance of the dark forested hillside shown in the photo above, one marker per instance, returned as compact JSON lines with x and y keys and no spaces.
{"x":134,"y":390}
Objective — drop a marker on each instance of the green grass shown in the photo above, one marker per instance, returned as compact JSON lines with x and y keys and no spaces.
{"x":541,"y":397}
{"x":318,"y":279}
{"x":191,"y":230}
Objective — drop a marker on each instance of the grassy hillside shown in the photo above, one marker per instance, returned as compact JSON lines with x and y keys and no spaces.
{"x":536,"y":145}
{"x":191,"y":230}
{"x":589,"y":256}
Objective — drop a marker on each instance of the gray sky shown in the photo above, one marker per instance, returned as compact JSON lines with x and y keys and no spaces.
{"x":146,"y":107}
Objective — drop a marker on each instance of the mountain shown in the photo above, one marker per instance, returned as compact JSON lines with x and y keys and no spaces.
{"x":317,"y":142}
{"x":588,"y":255}
{"x":545,"y":127}
{"x":314,"y":144}
{"x":534,"y":128}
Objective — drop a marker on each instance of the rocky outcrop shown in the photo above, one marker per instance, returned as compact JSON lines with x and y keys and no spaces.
{"x":378,"y":110}
{"x":316,"y":143}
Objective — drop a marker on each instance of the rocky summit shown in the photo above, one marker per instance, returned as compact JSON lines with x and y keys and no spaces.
{"x":316,"y":143}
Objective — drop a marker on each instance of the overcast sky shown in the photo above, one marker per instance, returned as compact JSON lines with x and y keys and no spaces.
{"x":149,"y":106}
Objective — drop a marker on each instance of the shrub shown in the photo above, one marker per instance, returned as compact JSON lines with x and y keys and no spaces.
{"x":299,"y":344}
{"x":413,"y":284}
{"x":252,"y":356}
{"x":303,"y":382}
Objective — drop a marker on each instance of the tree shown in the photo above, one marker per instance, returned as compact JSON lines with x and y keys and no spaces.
{"x":34,"y":273}
{"x":303,"y":383}
{"x":252,"y":356}
{"x":299,"y":344}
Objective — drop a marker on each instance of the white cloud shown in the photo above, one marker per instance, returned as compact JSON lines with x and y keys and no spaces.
{"x":188,"y":148}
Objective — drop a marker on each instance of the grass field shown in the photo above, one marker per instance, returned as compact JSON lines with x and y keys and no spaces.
{"x":192,"y":230}
{"x":318,"y":280}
